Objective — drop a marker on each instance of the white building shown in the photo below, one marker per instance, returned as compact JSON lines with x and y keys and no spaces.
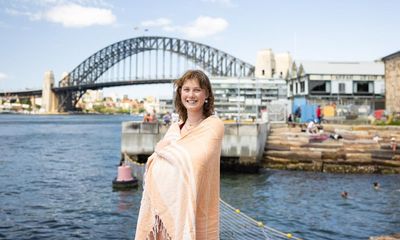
{"x":245,"y":97}
{"x":344,"y":83}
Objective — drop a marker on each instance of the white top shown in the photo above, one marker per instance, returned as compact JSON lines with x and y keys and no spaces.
{"x":174,"y":117}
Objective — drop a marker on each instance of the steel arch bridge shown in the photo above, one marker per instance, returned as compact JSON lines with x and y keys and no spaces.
{"x":87,"y":75}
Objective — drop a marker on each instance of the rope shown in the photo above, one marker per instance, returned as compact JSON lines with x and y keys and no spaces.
{"x":237,"y":225}
{"x":234,"y":224}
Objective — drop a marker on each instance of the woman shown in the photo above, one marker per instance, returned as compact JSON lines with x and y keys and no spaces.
{"x":181,"y":184}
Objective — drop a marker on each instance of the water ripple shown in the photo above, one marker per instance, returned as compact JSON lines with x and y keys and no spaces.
{"x":56,"y":173}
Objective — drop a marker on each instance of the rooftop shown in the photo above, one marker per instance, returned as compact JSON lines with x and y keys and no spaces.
{"x":342,"y":68}
{"x":396,"y":54}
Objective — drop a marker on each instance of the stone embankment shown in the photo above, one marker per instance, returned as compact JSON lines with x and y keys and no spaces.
{"x":395,"y":236}
{"x":357,"y":152}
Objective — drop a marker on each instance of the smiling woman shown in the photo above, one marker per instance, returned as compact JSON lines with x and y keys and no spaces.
{"x":181,"y":184}
{"x":194,"y":98}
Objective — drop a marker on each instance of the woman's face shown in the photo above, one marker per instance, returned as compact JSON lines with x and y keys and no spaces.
{"x":193,"y":96}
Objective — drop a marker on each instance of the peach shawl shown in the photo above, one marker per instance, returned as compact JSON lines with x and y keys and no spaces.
{"x":181,"y":185}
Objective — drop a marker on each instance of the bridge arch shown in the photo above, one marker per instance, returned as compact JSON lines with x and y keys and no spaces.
{"x":212,"y":60}
{"x":86,"y":75}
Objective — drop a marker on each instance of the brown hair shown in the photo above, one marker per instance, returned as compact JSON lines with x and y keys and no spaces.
{"x":204,"y":82}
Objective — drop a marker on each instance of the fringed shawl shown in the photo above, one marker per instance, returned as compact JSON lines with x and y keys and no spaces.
{"x":181,"y":185}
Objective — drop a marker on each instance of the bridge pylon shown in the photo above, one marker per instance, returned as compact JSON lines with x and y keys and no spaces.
{"x":49,"y":98}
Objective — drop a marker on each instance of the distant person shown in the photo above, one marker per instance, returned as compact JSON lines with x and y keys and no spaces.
{"x":319,"y":114}
{"x":154,"y":116}
{"x":290,"y":120}
{"x":336,"y":136}
{"x":147,"y":118}
{"x":311,"y":128}
{"x":393,"y":144}
{"x":174,"y":117}
{"x":376,"y":185}
{"x":344,"y":194}
{"x":297,"y":114}
{"x":376,"y":138}
{"x":167,"y":118}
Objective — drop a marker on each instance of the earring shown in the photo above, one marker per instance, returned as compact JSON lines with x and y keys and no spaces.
{"x":206,"y":101}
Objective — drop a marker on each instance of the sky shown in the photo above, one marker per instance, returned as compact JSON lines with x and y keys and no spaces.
{"x":41,"y":35}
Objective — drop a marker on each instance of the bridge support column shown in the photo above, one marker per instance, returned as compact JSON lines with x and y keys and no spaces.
{"x":65,"y":101}
{"x":33,"y":103}
{"x":49,"y":99}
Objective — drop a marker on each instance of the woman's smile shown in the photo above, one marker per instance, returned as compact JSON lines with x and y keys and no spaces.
{"x":192,"y":95}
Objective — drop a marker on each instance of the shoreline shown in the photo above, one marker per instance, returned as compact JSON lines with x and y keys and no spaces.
{"x":288,"y":148}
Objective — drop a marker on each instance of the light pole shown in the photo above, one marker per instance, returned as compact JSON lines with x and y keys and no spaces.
{"x":238,"y":100}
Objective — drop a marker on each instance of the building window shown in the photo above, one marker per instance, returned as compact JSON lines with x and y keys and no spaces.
{"x":342,"y":88}
{"x":302,"y":87}
{"x":320,"y":87}
{"x":364,"y":87}
{"x":291,"y":87}
{"x":263,"y":72}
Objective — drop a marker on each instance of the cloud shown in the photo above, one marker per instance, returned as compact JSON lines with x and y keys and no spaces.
{"x":159,"y":22}
{"x":205,"y":26}
{"x":73,"y":15}
{"x":3,"y":76}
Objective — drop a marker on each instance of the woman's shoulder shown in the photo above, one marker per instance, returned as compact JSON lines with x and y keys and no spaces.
{"x":215,"y":120}
{"x":217,"y":125}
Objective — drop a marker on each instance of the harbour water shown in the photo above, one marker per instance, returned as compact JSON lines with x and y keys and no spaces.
{"x":56,"y":174}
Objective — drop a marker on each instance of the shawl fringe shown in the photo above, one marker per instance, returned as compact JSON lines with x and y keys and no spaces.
{"x":158,"y":232}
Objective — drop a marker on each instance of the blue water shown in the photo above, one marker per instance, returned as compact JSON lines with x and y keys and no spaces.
{"x":56,"y":174}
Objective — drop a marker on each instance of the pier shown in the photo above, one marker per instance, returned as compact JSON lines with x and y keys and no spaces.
{"x":242,"y":146}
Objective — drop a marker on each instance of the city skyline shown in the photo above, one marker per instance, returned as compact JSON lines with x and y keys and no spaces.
{"x":58,"y":35}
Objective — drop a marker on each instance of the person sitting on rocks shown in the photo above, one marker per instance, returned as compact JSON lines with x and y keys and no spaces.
{"x":393,"y":144}
{"x":311,"y":128}
{"x":376,"y":138}
{"x":290,"y":121}
{"x":336,"y":136}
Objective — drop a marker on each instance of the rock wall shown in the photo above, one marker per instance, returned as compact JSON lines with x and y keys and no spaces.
{"x":357,"y":152}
